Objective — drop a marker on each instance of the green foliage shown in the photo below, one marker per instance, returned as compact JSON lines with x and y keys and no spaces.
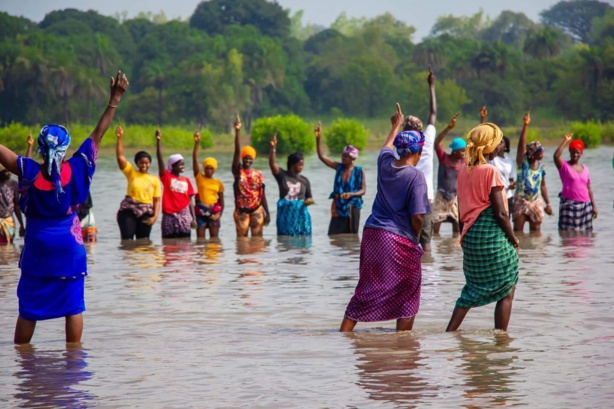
{"x":293,"y":134}
{"x":588,"y":132}
{"x":343,"y":132}
{"x":534,"y":134}
{"x":14,"y":136}
{"x":575,"y":16}
{"x":607,"y":132}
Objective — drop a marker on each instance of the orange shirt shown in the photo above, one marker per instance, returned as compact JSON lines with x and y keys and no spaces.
{"x":474,"y":192}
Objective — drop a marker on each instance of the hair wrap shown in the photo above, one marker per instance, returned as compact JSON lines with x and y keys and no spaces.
{"x":533,"y":148}
{"x":408,"y":142}
{"x":351,"y":151}
{"x":177,"y":157}
{"x":53,"y":140}
{"x":248,"y":151}
{"x":483,"y":139}
{"x":576,"y":144}
{"x":210,"y":162}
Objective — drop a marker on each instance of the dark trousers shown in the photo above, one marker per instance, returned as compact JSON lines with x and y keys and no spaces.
{"x":345,"y":225}
{"x":131,"y":226}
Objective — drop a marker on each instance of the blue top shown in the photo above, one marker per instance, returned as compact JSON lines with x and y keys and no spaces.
{"x":401,"y":194}
{"x":530,"y":181}
{"x":354,"y":184}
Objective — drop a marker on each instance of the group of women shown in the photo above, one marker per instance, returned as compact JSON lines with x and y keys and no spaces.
{"x":51,"y":194}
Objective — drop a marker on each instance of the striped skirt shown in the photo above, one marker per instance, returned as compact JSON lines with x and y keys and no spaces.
{"x":390,"y":278}
{"x":577,"y":216}
{"x":490,"y":263}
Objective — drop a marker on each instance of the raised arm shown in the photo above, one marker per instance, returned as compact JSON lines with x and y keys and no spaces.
{"x":558,"y":161}
{"x":119,"y":148}
{"x":236,"y":158}
{"x":326,"y":160}
{"x":30,"y":146}
{"x":522,"y":141}
{"x":159,"y":153}
{"x":396,"y":121}
{"x":119,"y":84}
{"x":433,"y":114}
{"x":483,"y":114}
{"x":272,"y":162}
{"x":443,"y":133}
{"x":195,"y":164}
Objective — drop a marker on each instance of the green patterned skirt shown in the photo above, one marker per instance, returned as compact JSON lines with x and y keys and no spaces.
{"x":490,"y":263}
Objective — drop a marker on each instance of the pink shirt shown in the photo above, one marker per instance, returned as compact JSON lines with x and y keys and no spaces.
{"x":575,"y":185}
{"x":474,"y":192}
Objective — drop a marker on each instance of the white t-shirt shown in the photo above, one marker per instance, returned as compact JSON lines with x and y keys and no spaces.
{"x":425,"y":164}
{"x":507,"y":168}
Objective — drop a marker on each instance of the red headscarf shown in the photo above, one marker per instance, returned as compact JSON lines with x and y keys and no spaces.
{"x":577,"y":144}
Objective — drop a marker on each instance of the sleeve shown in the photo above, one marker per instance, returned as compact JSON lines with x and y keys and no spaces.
{"x":441,"y":154}
{"x":280,"y":176}
{"x":418,"y":197}
{"x":191,"y":191}
{"x":307,"y":189}
{"x":164,"y":177}
{"x":495,"y":178}
{"x":28,"y":170}
{"x":385,"y":156}
{"x":83,"y":166}
{"x":127,"y":171}
{"x":221,"y":187}
{"x":157,"y":189}
{"x":430,"y":133}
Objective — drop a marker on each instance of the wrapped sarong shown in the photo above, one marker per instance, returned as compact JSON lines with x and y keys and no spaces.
{"x":390,"y":278}
{"x":88,"y":227}
{"x":177,"y":224}
{"x":533,"y":209}
{"x":293,"y":218}
{"x":577,"y":216}
{"x":7,"y":230}
{"x":490,"y":263}
{"x":204,"y":213}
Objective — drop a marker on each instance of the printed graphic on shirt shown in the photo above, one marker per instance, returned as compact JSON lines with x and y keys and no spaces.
{"x":179,"y":186}
{"x":293,"y":190}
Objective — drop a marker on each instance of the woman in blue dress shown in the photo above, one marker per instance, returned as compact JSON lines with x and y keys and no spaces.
{"x":349,"y":187}
{"x":53,"y":261}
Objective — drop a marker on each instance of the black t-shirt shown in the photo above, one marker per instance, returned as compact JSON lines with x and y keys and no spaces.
{"x":291,"y":187}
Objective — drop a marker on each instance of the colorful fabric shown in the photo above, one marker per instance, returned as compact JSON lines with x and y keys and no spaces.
{"x":474,"y":186}
{"x":209,"y":189}
{"x":529,"y":181}
{"x":248,"y":151}
{"x":8,"y":193}
{"x":533,"y":148}
{"x":401,"y":194}
{"x":142,"y":187}
{"x":490,"y":263}
{"x":7,"y":230}
{"x":351,"y":151}
{"x":341,"y":207}
{"x":177,"y":224}
{"x":408,"y":142}
{"x":139,"y":209}
{"x":483,"y":139}
{"x":44,"y":298}
{"x":445,"y":210}
{"x":575,"y":184}
{"x":447,"y":174}
{"x":534,"y":209}
{"x":245,"y":221}
{"x":177,"y":193}
{"x":53,"y":141}
{"x":88,"y":228}
{"x":174,"y":158}
{"x":574,"y":215}
{"x":390,"y":278}
{"x":293,"y":187}
{"x":457,"y":144}
{"x":210,"y":162}
{"x":248,"y":189}
{"x":204,"y":213}
{"x":293,"y":218}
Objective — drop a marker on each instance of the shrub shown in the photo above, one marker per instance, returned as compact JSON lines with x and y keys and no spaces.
{"x":15,"y":136}
{"x":293,"y":134}
{"x":533,"y":135}
{"x":588,"y":132}
{"x":607,"y":132}
{"x":345,"y":132}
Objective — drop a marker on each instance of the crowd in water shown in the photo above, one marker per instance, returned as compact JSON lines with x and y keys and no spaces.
{"x":481,"y":191}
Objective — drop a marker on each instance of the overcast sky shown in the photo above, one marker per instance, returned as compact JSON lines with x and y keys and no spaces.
{"x":420,"y":14}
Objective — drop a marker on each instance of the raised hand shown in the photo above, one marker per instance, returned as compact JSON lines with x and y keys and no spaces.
{"x":119,"y":132}
{"x":238,"y":123}
{"x":197,"y":137}
{"x":568,"y":137}
{"x":527,"y":118}
{"x":30,"y":140}
{"x":483,"y":112}
{"x":274,"y":141}
{"x":158,"y":135}
{"x":318,"y":131}
{"x":119,"y":85}
{"x":431,"y":77}
{"x":452,"y":123}
{"x":398,"y":118}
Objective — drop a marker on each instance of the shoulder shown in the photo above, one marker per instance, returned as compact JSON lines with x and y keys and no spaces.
{"x":430,"y":131}
{"x":28,"y":168}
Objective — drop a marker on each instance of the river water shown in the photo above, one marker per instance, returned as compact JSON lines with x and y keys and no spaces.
{"x":253,"y":322}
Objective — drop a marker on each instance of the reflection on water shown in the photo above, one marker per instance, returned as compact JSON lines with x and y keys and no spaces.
{"x":51,"y":378}
{"x":577,"y":244}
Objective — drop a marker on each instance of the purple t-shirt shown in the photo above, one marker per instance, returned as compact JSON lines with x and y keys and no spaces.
{"x":575,"y":185}
{"x":401,"y":194}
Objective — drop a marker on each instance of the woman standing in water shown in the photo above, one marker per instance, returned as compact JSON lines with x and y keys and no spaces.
{"x":531,"y":192}
{"x":390,"y":266}
{"x":53,"y":261}
{"x":293,"y":217}
{"x":9,"y":204}
{"x":349,"y":187}
{"x":490,"y":260}
{"x":140,"y":208}
{"x":178,"y":217}
{"x":210,"y":203}
{"x":251,"y":207}
{"x":577,"y":208}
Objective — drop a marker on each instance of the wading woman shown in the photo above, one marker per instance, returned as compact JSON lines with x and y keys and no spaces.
{"x":348,"y":189}
{"x":577,"y":208}
{"x":251,"y":208}
{"x":141,"y":206}
{"x":210,"y":203}
{"x":53,"y":261}
{"x":490,"y":260}
{"x":390,"y":267}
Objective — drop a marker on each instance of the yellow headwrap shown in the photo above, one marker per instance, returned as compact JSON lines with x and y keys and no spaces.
{"x":483,"y":139}
{"x":210,"y":162}
{"x":248,"y":151}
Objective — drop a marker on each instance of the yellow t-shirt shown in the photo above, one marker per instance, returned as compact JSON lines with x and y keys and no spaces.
{"x":142,"y":187}
{"x":208,"y":189}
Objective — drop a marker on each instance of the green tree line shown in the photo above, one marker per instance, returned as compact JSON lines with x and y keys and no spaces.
{"x":255,"y":58}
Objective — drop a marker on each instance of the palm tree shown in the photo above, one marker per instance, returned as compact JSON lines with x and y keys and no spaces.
{"x":31,"y":70}
{"x":546,"y":42}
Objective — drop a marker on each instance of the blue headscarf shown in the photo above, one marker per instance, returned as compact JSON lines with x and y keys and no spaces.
{"x":408,"y":142}
{"x":53,"y":140}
